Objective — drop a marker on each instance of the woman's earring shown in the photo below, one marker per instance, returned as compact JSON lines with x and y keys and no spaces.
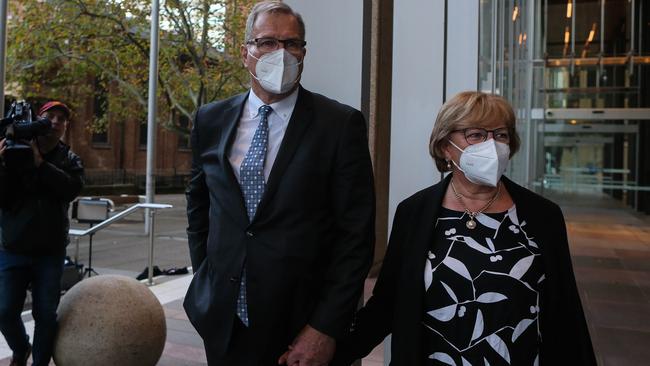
{"x":448,"y":165}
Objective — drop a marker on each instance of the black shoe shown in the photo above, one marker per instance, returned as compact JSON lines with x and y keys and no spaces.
{"x":176,"y":271}
{"x":145,"y":273}
{"x":21,"y":361}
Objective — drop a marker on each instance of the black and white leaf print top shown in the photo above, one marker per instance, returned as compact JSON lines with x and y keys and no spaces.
{"x":482,"y":289}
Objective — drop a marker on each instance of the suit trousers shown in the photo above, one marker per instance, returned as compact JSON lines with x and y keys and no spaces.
{"x":243,"y":350}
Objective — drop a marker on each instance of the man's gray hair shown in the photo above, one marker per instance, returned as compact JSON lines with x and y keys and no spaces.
{"x":271,"y":7}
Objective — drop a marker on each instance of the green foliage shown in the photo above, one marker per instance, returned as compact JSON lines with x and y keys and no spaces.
{"x":75,"y":49}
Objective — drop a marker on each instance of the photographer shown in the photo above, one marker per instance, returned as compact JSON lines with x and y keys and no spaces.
{"x":34,"y":200}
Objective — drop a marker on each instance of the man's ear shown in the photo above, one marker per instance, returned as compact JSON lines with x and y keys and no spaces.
{"x":243,"y":52}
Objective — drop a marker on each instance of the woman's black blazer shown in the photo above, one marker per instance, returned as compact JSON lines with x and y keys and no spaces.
{"x":396,"y":305}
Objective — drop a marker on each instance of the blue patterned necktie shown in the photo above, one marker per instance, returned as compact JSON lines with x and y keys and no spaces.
{"x":251,"y":177}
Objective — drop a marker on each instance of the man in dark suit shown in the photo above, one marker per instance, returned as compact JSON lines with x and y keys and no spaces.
{"x":280,"y":209}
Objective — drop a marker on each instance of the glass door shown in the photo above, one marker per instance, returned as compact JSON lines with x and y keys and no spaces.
{"x":591,"y":157}
{"x":577,"y":73}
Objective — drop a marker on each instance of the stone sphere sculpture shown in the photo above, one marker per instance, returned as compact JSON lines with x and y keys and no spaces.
{"x":109,"y":320}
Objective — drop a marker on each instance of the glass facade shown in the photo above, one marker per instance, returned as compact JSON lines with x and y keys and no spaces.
{"x":577,"y":74}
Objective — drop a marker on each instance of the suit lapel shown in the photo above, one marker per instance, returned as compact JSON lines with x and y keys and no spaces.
{"x":300,"y":120}
{"x":419,"y":244}
{"x":428,"y":218}
{"x":231,"y":196}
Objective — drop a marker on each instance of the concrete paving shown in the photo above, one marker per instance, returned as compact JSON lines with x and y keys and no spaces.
{"x":610,"y":247}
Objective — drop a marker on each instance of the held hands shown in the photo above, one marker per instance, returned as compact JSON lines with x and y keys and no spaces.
{"x":310,"y":348}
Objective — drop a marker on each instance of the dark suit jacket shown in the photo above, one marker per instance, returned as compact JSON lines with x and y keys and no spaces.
{"x":309,"y":247}
{"x":396,"y":305}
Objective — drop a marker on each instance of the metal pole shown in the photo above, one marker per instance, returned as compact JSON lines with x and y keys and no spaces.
{"x":511,"y":60}
{"x":493,"y":51}
{"x":76,"y":250}
{"x":632,"y":38}
{"x":544,"y":56}
{"x":601,"y":68}
{"x":640,"y":52}
{"x":151,"y":114}
{"x":573,"y":37}
{"x":529,"y":93}
{"x":502,"y":49}
{"x":152,"y":213}
{"x":637,"y":164}
{"x":3,"y":47}
{"x":539,"y":135}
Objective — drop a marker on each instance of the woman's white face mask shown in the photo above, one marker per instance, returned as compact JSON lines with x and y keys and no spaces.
{"x":277,"y":71}
{"x":484,"y":163}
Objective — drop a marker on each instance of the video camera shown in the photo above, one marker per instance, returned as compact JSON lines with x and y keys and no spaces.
{"x":18,"y":127}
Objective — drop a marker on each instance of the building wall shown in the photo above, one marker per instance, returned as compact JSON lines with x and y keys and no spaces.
{"x":427,"y":70}
{"x":334,"y":31}
{"x":124,"y":139}
{"x":418,"y":61}
{"x":462,"y":46}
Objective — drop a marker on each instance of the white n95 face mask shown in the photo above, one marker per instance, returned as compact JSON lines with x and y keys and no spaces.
{"x":484,"y":163}
{"x":277,"y":71}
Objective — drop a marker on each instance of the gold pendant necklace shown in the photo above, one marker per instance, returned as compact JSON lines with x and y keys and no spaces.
{"x":471,"y":224}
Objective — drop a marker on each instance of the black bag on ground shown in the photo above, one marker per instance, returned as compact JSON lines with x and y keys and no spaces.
{"x":72,"y":273}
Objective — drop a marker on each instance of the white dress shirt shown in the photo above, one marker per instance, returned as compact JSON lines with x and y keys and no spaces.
{"x":278,"y":121}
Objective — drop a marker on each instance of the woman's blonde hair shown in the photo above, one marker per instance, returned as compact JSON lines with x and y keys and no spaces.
{"x":470,"y":109}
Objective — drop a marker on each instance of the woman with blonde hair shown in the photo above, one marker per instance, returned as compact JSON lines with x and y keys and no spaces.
{"x":477,"y":270}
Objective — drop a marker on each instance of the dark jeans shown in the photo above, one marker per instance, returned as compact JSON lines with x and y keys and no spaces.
{"x":44,"y":274}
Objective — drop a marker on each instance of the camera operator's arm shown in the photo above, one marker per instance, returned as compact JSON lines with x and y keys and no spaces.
{"x":64,"y":183}
{"x":3,"y":177}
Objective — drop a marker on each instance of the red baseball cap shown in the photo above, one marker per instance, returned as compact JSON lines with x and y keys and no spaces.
{"x":55,"y":104}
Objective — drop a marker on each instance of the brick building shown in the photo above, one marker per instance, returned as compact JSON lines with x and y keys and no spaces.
{"x":118,"y":156}
{"x":115,"y":160}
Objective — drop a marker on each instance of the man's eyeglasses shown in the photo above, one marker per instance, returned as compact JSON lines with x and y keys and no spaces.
{"x":475,"y":135}
{"x":268,"y":44}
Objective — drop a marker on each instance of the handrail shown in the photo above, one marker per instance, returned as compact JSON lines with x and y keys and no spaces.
{"x":119,"y":216}
{"x":151,"y":207}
